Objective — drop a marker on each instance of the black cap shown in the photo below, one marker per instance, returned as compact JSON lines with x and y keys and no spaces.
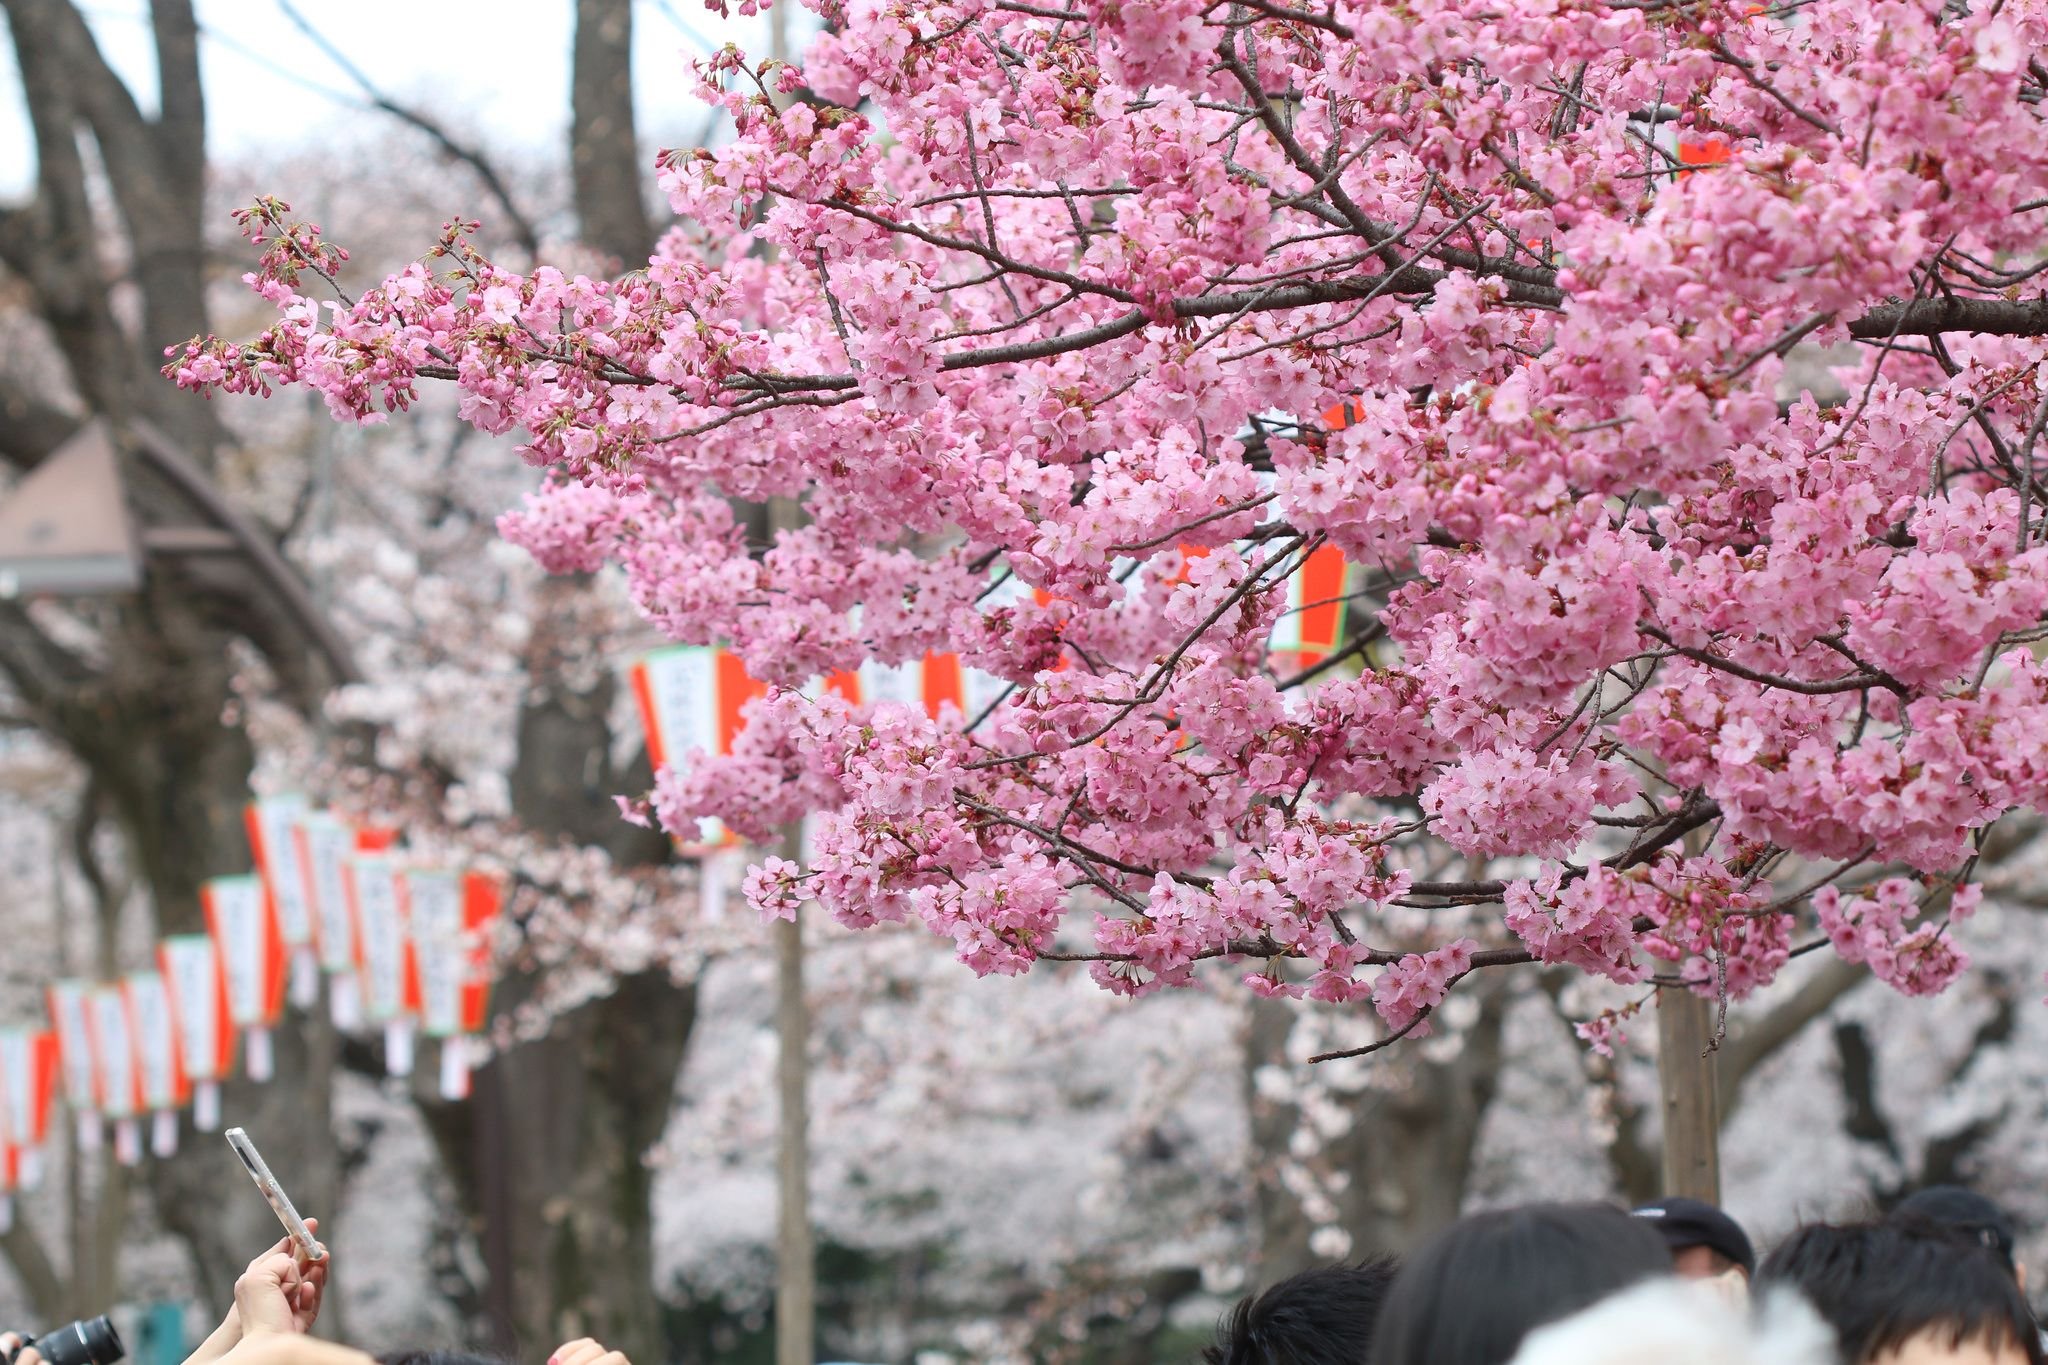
{"x":1970,"y":1213}
{"x":1696,"y":1223}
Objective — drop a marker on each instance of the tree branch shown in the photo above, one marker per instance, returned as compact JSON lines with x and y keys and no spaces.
{"x":1785,"y":1021}
{"x":522,"y":227}
{"x":1931,"y":317}
{"x":32,"y":1265}
{"x":42,"y":672}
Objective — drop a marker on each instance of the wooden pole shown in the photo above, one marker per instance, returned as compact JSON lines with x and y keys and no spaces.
{"x":796,"y":1265}
{"x":1692,"y":1112}
{"x":796,"y":1256}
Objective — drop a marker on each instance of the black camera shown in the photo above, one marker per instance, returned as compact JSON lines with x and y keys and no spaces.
{"x":91,"y":1342}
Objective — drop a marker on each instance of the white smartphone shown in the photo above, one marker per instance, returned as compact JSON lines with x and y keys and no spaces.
{"x":309,"y":1249}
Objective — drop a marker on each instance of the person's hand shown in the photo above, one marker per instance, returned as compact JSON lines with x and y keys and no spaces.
{"x":277,"y":1294}
{"x":584,"y":1351}
{"x":11,"y":1350}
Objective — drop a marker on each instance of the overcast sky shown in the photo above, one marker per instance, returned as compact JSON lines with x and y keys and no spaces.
{"x":497,"y":66}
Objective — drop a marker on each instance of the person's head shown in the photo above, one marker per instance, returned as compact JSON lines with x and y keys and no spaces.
{"x":1967,"y":1212}
{"x":1323,"y":1316}
{"x":1472,"y":1292}
{"x":1705,"y":1242}
{"x":435,"y":1356}
{"x":1900,"y":1292}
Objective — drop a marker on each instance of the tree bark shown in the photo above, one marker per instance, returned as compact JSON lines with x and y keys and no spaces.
{"x":548,"y":1155}
{"x":548,"y":1159}
{"x":604,"y":144}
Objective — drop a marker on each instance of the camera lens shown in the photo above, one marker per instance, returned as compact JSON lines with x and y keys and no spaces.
{"x":91,"y":1342}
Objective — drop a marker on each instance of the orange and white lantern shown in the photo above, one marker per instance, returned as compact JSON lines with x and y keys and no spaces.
{"x":1312,"y":624}
{"x":690,"y":698}
{"x":270,"y":822}
{"x":252,"y":959}
{"x":324,"y":843}
{"x":451,"y":916}
{"x":70,"y":1020}
{"x":197,"y":991}
{"x":929,"y":683}
{"x":120,"y":1079}
{"x":159,"y":1072}
{"x":390,"y":975}
{"x":28,"y":1084}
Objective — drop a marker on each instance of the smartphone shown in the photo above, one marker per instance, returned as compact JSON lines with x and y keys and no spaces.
{"x":309,"y":1250}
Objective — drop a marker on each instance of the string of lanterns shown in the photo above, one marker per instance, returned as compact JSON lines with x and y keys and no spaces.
{"x":397,"y":946}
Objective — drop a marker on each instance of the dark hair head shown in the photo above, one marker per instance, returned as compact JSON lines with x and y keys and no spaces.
{"x":1473,"y":1291}
{"x":1966,"y":1211}
{"x":1688,"y":1223}
{"x":431,"y":1356}
{"x":1323,"y":1316}
{"x":1881,"y":1284}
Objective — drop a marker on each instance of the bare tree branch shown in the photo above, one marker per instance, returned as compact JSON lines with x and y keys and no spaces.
{"x":522,"y":227}
{"x":1763,"y":1039}
{"x":1954,"y":313}
{"x":33,"y":1267}
{"x":42,"y":672}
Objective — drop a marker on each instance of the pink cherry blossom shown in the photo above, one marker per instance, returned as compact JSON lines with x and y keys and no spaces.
{"x":1082,"y":336}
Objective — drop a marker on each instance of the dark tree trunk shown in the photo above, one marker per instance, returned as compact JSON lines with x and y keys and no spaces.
{"x":146,"y":713}
{"x":548,"y":1157}
{"x":604,"y":147}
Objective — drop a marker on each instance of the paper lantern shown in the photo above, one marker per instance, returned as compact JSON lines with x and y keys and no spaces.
{"x":690,"y":699}
{"x":28,"y":1083}
{"x":450,"y":915}
{"x":69,"y":1019}
{"x":324,"y":842}
{"x":1312,"y":624}
{"x":197,"y":991}
{"x":270,"y":822}
{"x":120,"y":1079}
{"x":929,"y":683}
{"x":153,"y":1041}
{"x":388,"y":969}
{"x":252,"y":960}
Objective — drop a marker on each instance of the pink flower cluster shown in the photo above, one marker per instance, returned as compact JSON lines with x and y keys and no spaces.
{"x":1418,"y":983}
{"x":1077,"y":332}
{"x":1509,"y":801}
{"x":1878,"y":930}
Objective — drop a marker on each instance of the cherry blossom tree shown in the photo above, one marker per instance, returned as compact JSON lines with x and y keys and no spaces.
{"x":1136,"y":306}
